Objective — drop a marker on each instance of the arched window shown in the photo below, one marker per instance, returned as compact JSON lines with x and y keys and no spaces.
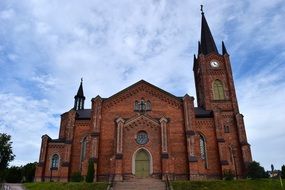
{"x":148,"y":106}
{"x":218,"y":90}
{"x":83,"y":149}
{"x":203,"y":152}
{"x":137,"y":106}
{"x":226,"y":129}
{"x":54,"y":161}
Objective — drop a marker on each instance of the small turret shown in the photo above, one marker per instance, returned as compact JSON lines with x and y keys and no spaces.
{"x":79,"y":98}
{"x":224,"y":48}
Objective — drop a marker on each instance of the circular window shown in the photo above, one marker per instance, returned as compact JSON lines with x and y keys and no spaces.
{"x":142,"y":138}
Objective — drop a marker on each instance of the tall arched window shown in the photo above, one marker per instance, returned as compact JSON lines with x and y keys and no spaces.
{"x":218,"y":90}
{"x":203,"y":152}
{"x":83,"y":149}
{"x":54,"y":161}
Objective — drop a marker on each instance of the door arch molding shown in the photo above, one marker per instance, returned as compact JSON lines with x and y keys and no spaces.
{"x":134,"y":160}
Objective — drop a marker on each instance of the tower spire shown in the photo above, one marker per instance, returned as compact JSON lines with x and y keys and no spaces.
{"x":79,"y":98}
{"x":208,"y":44}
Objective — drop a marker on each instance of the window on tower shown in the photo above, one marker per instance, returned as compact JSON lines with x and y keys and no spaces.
{"x":218,"y":90}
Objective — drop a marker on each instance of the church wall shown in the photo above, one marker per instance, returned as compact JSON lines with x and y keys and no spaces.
{"x":206,"y":127}
{"x":81,"y":130}
{"x":58,"y":174}
{"x":160,"y":108}
{"x":231,"y":138}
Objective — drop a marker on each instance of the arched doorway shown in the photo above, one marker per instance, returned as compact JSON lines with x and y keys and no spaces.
{"x":142,"y":163}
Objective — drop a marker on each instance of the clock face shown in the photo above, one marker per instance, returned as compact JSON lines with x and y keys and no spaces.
{"x":214,"y":64}
{"x":142,"y":138}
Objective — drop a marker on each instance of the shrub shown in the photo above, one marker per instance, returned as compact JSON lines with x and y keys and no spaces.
{"x":255,"y":171}
{"x":28,"y":172}
{"x":76,"y":177}
{"x":228,"y":175}
{"x":90,"y":171}
{"x":283,"y":172}
{"x":13,"y":175}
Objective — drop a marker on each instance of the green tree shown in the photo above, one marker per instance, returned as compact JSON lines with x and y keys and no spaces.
{"x":283,"y":172}
{"x":6,"y":153}
{"x":255,"y":171}
{"x":90,"y":171}
{"x":28,"y":172}
{"x":13,"y":174}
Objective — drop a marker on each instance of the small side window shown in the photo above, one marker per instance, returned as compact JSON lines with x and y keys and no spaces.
{"x":54,"y":161}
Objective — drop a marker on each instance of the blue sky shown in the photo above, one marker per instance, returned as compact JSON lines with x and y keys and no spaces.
{"x":46,"y":46}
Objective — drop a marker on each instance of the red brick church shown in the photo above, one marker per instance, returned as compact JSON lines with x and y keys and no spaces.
{"x":144,"y":131}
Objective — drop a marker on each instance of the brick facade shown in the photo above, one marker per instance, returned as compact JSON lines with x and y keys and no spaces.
{"x":176,"y":130}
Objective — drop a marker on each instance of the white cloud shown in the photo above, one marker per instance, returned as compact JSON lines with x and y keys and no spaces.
{"x":26,"y":120}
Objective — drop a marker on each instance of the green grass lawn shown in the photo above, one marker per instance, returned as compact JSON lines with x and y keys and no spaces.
{"x":66,"y":186}
{"x":263,"y":184}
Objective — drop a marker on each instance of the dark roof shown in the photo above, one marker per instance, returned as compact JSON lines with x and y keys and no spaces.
{"x":83,"y":114}
{"x":207,"y":41}
{"x":80,"y":93}
{"x":57,"y":140}
{"x":202,"y":113}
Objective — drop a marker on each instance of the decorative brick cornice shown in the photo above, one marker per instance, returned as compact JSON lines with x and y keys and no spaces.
{"x":142,"y":119}
{"x":145,"y":87}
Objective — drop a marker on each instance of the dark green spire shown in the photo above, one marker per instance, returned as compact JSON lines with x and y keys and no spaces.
{"x":207,"y":41}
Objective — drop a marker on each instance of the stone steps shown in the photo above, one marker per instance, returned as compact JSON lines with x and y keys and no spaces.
{"x":140,"y":184}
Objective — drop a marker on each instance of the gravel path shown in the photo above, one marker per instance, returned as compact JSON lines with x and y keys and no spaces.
{"x":13,"y":186}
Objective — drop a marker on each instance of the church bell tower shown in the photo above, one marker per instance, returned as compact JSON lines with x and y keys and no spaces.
{"x":216,"y":92}
{"x":212,"y":73}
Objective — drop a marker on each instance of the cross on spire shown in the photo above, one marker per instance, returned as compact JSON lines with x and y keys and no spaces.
{"x":202,"y":12}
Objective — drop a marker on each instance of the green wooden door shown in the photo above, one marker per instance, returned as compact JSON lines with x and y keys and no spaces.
{"x":142,"y":164}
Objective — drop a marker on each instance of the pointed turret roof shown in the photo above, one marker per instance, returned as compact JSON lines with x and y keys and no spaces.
{"x":207,"y":41}
{"x":224,"y":48}
{"x":80,"y":93}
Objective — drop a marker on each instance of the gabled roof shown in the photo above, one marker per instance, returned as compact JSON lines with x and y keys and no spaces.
{"x":143,"y":82}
